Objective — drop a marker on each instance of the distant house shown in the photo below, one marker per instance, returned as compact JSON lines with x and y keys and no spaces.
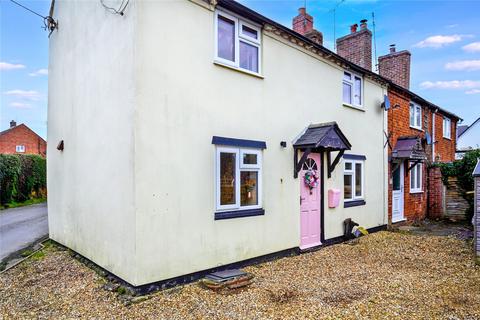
{"x":468,"y":138}
{"x":21,"y":140}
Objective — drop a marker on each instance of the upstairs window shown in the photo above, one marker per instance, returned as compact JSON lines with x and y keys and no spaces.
{"x":447,"y":128}
{"x":415,"y":116}
{"x":237,"y":43}
{"x":239,"y":178}
{"x":20,"y":149}
{"x":352,"y":89}
{"x":416,"y":178}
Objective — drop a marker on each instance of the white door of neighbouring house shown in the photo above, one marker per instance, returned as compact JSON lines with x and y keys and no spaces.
{"x":397,"y":194}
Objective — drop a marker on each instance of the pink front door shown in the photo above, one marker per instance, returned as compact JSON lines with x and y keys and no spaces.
{"x":310,"y":204}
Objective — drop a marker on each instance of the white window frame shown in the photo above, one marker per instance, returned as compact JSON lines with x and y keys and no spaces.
{"x":239,"y":36}
{"x":353,"y":173}
{"x":239,"y":167}
{"x":20,"y":149}
{"x":447,"y":128}
{"x":351,"y":82}
{"x":416,"y":110}
{"x":413,"y":178}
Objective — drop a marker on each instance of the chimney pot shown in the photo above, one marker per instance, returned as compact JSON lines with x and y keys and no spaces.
{"x":392,"y":48}
{"x":301,"y":11}
{"x":353,"y":28}
{"x":363,"y":24}
{"x":13,"y":124}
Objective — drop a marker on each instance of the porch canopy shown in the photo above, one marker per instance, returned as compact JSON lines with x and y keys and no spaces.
{"x":410,"y":149}
{"x":322,"y":137}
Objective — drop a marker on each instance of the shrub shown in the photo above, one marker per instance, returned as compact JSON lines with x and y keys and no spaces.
{"x":22,"y":177}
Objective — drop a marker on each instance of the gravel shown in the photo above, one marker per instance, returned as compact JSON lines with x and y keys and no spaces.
{"x":383,"y":275}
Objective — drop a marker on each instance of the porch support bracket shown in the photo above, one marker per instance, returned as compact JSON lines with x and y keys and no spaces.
{"x":298,"y":165}
{"x":331,"y":166}
{"x":413,"y":165}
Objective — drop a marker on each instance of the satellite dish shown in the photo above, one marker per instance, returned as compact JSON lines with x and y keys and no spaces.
{"x":428,"y":138}
{"x":386,"y":103}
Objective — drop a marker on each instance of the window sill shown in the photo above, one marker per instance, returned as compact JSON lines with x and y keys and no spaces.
{"x":224,"y":65}
{"x":359,"y":108}
{"x":355,"y":203}
{"x":222,"y":215}
{"x":416,"y":192}
{"x":447,"y":138}
{"x":416,"y":128}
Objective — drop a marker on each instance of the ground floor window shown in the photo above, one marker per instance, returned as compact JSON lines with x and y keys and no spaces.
{"x":416,"y":178}
{"x":353,"y":177}
{"x":238,"y":178}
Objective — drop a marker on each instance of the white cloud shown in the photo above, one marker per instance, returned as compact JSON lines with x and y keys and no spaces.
{"x":20,"y":105}
{"x":25,"y":94}
{"x":454,"y":84}
{"x":473,"y":91}
{"x":439,"y":41}
{"x":39,"y":72}
{"x":4,"y":66}
{"x":464,"y":65}
{"x":472,"y":47}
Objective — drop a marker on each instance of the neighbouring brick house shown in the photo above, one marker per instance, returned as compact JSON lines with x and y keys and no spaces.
{"x":419,"y":132}
{"x":21,"y":140}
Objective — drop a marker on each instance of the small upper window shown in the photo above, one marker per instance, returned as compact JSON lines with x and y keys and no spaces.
{"x":238,"y":43}
{"x":416,"y":178}
{"x":20,"y":149}
{"x":447,"y":128}
{"x":352,"y":89}
{"x":415,"y":116}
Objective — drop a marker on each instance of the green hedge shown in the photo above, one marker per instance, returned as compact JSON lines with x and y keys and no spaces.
{"x":22,"y":177}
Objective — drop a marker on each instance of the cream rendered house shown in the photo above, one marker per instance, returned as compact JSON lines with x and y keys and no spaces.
{"x":190,"y":131}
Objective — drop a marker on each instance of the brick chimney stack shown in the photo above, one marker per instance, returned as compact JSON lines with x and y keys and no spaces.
{"x":303,"y":24}
{"x":396,"y":66}
{"x":13,"y":124}
{"x":356,"y":47}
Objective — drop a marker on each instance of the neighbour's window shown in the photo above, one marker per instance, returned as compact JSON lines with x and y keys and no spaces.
{"x":239,"y":178}
{"x":415,"y":116}
{"x":352,"y":89}
{"x":20,"y":148}
{"x":447,"y":128}
{"x":416,"y":178}
{"x":238,"y":43}
{"x":353,"y":180}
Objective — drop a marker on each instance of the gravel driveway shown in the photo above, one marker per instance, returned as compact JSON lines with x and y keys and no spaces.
{"x":384,"y":276}
{"x":20,"y":227}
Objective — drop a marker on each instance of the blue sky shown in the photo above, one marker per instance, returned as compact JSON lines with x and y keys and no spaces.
{"x":443,"y":37}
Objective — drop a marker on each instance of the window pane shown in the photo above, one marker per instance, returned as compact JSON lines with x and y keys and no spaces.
{"x":396,"y":179}
{"x":418,"y":114}
{"x":226,"y":38}
{"x":358,"y":180}
{"x":412,"y":178}
{"x":419,"y":174}
{"x":358,"y":91}
{"x":347,"y":93}
{"x":249,"y":158}
{"x":248,"y":188}
{"x":412,"y":115}
{"x":348,"y":166}
{"x":227,"y":178}
{"x":252,"y":33}
{"x":347,"y":76}
{"x":347,"y":186}
{"x":248,"y":56}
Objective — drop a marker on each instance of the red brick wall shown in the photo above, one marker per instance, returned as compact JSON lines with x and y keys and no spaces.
{"x":22,"y":135}
{"x":357,"y":48}
{"x":415,"y":204}
{"x":435,"y":193}
{"x":444,"y":148}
